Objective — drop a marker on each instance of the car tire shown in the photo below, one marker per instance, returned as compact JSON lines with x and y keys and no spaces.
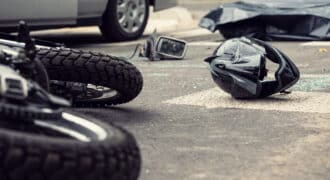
{"x":123,"y":21}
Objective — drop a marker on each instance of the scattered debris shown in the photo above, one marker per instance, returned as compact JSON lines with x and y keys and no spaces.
{"x":301,"y":20}
{"x":160,"y":47}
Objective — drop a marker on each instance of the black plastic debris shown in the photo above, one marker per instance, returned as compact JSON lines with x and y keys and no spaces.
{"x":239,"y":67}
{"x":297,"y":20}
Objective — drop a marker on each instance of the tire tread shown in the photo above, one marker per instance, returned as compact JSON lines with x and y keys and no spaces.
{"x":30,"y":157}
{"x":94,"y":68}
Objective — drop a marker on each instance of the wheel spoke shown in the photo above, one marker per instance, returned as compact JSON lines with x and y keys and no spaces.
{"x":121,"y":8}
{"x":138,"y":21}
{"x":130,"y":25}
{"x":141,"y":9}
{"x":142,"y":2}
{"x":123,"y":2}
{"x":137,"y":2}
{"x":123,"y":20}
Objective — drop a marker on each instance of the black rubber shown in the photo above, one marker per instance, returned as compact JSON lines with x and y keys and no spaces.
{"x":111,"y":29}
{"x":28,"y":156}
{"x":35,"y":71}
{"x":42,"y":75}
{"x":17,"y":111}
{"x":94,"y":68}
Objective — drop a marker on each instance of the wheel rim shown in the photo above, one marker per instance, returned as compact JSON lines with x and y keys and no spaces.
{"x":83,"y":93}
{"x":96,"y":94}
{"x":75,"y":127}
{"x":68,"y":126}
{"x":131,"y":14}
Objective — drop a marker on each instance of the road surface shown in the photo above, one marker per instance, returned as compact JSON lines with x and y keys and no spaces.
{"x":188,"y":129}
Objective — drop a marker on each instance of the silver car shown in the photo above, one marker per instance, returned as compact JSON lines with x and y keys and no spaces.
{"x":118,"y":19}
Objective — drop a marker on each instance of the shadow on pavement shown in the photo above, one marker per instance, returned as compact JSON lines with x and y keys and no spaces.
{"x":74,"y":39}
{"x":120,"y":115}
{"x":267,"y":99}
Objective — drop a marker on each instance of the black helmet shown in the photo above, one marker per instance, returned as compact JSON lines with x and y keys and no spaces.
{"x":238,"y":66}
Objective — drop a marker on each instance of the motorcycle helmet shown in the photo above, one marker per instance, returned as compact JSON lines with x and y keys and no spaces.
{"x":238,"y":66}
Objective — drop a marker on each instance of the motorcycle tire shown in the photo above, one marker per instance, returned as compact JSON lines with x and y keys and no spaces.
{"x":75,"y":149}
{"x":70,"y":65}
{"x":19,"y":111}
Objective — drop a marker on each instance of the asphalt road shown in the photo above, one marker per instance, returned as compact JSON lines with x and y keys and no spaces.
{"x":188,"y":129}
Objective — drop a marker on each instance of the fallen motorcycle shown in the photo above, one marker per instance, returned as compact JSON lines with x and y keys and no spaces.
{"x":88,"y":79}
{"x":38,"y":140}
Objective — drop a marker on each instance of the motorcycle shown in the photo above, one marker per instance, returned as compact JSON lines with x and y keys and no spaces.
{"x":88,"y":79}
{"x":40,"y":140}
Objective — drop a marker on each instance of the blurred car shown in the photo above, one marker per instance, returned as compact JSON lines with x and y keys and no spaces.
{"x":119,"y":20}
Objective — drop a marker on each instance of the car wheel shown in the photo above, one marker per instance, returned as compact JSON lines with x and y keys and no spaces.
{"x":125,"y":19}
